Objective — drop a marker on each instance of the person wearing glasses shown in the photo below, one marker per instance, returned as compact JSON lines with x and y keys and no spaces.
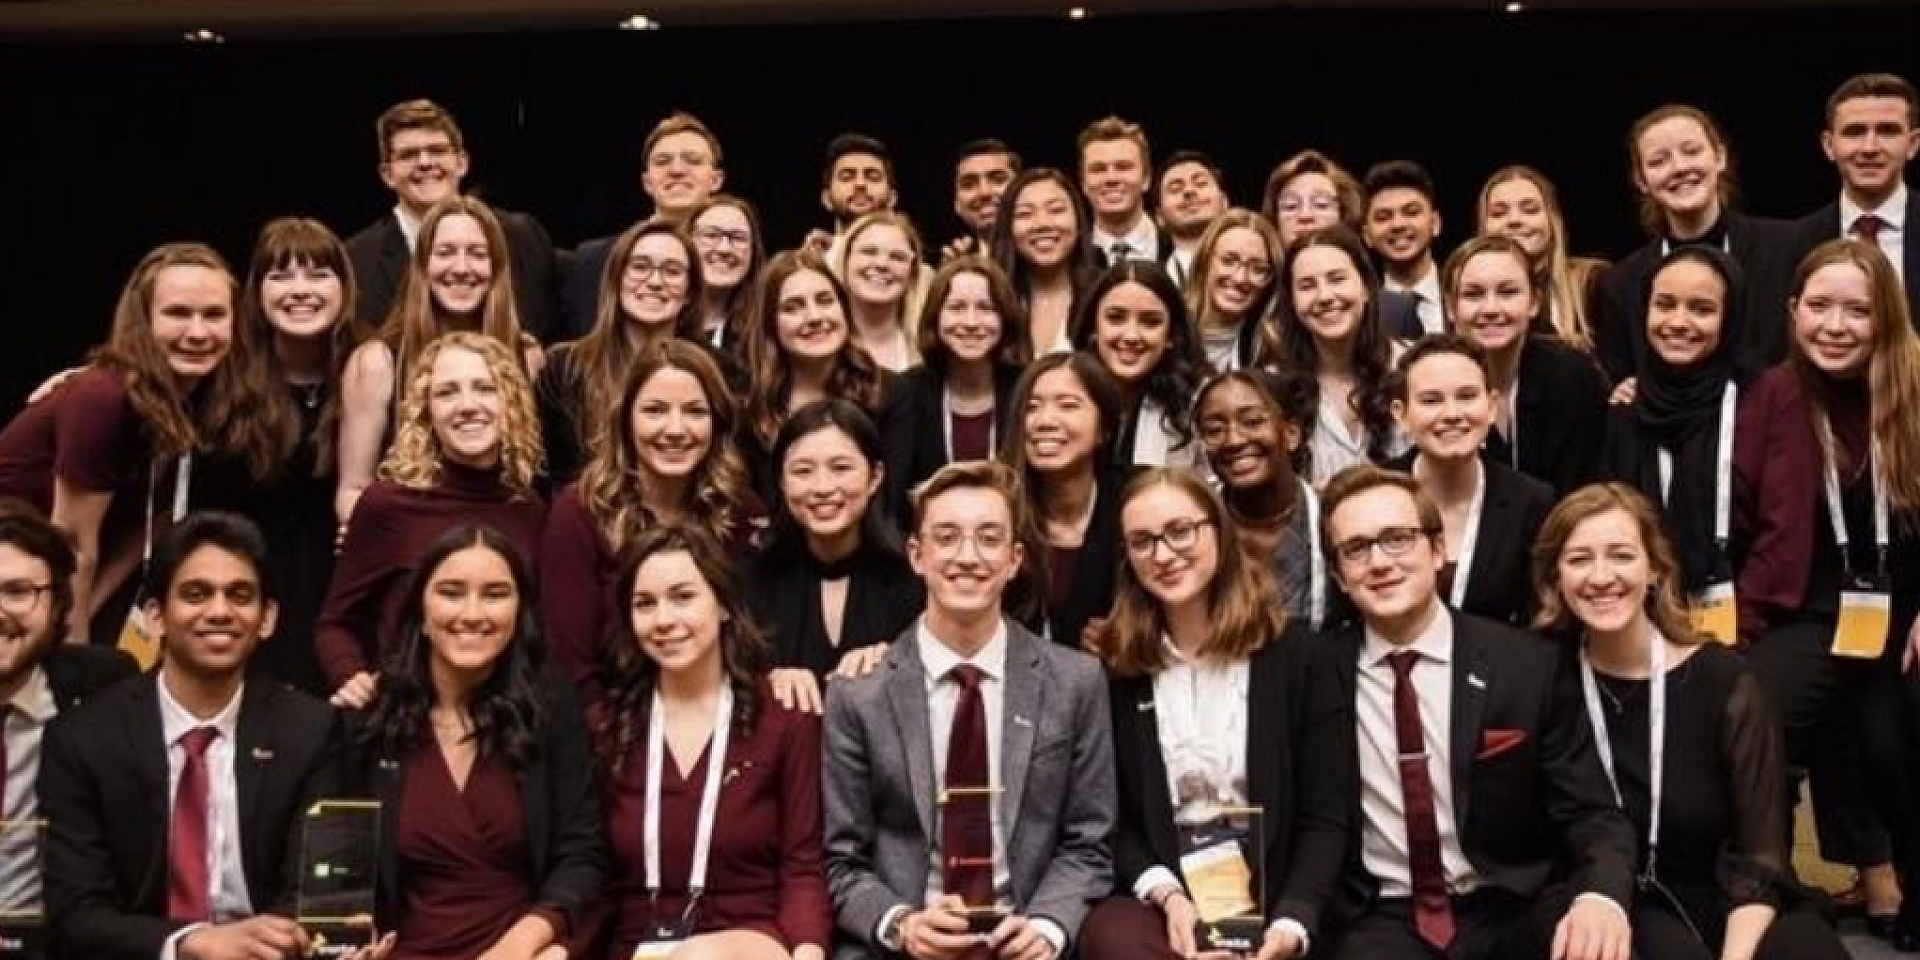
{"x":726,"y":231}
{"x":974,"y":767}
{"x":1231,"y":291}
{"x":1487,"y":829}
{"x":650,"y":293}
{"x":1192,"y":637}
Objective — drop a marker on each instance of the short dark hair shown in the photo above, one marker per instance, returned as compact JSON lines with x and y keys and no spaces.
{"x":847,"y":144}
{"x":1400,"y":174}
{"x":1186,"y":155}
{"x":1876,"y":85}
{"x":986,"y":146}
{"x":230,"y":532}
{"x":26,"y":529}
{"x":1436,"y":345}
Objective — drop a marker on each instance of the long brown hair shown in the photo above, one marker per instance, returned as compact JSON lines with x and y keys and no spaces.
{"x":738,"y":310}
{"x":416,"y":319}
{"x":1200,"y":297}
{"x":1562,"y":277}
{"x":1893,"y":372}
{"x":1239,"y":600}
{"x":721,"y":489}
{"x":299,"y":241}
{"x":1015,"y":348}
{"x":855,"y":376}
{"x":415,"y":460}
{"x":607,"y":352}
{"x":1666,"y":604}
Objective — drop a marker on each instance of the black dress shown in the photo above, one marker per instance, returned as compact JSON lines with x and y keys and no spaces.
{"x":1721,"y":845}
{"x":883,"y":598}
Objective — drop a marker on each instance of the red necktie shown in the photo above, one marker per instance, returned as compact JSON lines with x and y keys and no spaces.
{"x":1867,"y":228}
{"x":966,"y":821}
{"x":1432,"y":911}
{"x":188,"y":887}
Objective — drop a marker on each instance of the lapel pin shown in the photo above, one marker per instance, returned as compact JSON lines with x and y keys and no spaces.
{"x":1023,"y":721}
{"x":262,"y":753}
{"x":1144,"y":706}
{"x":1474,"y":679}
{"x":388,"y":765}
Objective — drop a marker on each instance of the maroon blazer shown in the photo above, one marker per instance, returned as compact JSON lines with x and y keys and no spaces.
{"x":1776,"y":491}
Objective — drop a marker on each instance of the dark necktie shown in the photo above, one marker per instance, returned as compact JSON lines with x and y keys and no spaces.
{"x":1432,"y":911}
{"x":188,"y":886}
{"x":1119,"y":253}
{"x":966,"y":821}
{"x":1867,"y":228}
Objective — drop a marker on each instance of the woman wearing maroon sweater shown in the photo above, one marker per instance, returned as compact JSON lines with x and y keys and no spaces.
{"x":466,"y":453}
{"x":691,"y":712}
{"x":675,"y":460}
{"x":1838,"y":411}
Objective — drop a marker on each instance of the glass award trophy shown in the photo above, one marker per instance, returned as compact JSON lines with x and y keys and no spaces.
{"x":339,"y":848}
{"x":966,"y":826}
{"x":1223,"y":861}
{"x":23,"y":845}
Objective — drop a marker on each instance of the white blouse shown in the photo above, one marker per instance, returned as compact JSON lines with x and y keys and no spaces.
{"x":1202,"y":714}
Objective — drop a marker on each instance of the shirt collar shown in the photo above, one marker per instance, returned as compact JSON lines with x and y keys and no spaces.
{"x":1892,"y":213}
{"x":1428,"y":286}
{"x":409,"y":225}
{"x":34,"y":699}
{"x":1435,"y":644}
{"x":175,"y":720}
{"x":940,"y":658}
{"x":1142,"y":239}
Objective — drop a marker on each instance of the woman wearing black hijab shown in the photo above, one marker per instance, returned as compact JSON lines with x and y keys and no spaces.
{"x":1674,"y":441}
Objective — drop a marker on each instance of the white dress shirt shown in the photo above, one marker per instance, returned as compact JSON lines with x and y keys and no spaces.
{"x":1181,"y":266}
{"x":1383,"y":835}
{"x":1336,"y":448}
{"x":1427,"y":302}
{"x":1893,"y":226}
{"x":1143,"y":241}
{"x":21,"y":726}
{"x":1154,"y":444}
{"x":226,"y":871}
{"x":409,"y":225}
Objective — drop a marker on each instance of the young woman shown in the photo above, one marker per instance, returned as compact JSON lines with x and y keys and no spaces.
{"x":1520,"y":203}
{"x":973,"y":346}
{"x":1683,"y":172}
{"x":1219,"y":702}
{"x":1489,"y":512}
{"x":1826,"y":505}
{"x":1068,"y":410}
{"x":1232,"y":294}
{"x":1553,"y":398}
{"x":880,"y":263}
{"x":1309,"y":192}
{"x":458,"y":280}
{"x":801,"y":349}
{"x":491,"y":840}
{"x":734,"y":869}
{"x":1330,"y":330}
{"x":833,"y":579}
{"x":1135,"y":323}
{"x":110,"y":448}
{"x":1674,"y":442}
{"x":1687,"y":736}
{"x":649,"y":293}
{"x":1249,"y":426}
{"x":726,"y":231}
{"x":675,"y":459}
{"x":466,"y":453}
{"x":1043,"y":242}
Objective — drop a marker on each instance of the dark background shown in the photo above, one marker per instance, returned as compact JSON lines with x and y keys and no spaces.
{"x":110,"y":149}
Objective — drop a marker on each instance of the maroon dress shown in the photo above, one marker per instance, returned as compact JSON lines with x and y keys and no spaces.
{"x":765,"y":871}
{"x":464,"y":855}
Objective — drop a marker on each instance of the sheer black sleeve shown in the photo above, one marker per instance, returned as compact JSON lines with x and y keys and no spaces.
{"x":1753,"y":866}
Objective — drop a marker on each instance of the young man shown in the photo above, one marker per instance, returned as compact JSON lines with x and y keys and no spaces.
{"x":423,"y":159}
{"x":1190,"y":197}
{"x":1872,"y":133}
{"x":857,"y":180}
{"x":40,"y":678}
{"x":682,"y":165}
{"x":974,"y":767}
{"x":1474,"y":775}
{"x":981,"y":174}
{"x":1114,"y":172}
{"x":174,"y":799}
{"x":1402,"y":222}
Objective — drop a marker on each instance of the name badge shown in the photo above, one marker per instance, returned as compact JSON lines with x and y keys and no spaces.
{"x":1866,"y":613}
{"x":1716,"y":614}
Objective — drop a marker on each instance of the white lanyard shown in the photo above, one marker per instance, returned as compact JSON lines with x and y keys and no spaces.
{"x":1837,"y":513}
{"x":182,"y":481}
{"x":1723,"y":468}
{"x":1656,"y":733}
{"x":709,"y":798}
{"x":946,"y":424}
{"x":1316,"y":565}
{"x":1469,"y":539}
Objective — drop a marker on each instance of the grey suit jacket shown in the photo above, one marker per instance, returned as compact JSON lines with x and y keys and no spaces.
{"x":1056,"y":771}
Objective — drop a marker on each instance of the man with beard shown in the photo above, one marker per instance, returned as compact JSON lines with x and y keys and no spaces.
{"x":40,"y":678}
{"x":981,"y":174}
{"x":857,"y":181}
{"x":1190,"y":197}
{"x":1401,"y":224}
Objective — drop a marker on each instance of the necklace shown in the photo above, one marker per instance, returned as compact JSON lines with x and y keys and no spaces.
{"x":309,"y":393}
{"x":1619,"y":702}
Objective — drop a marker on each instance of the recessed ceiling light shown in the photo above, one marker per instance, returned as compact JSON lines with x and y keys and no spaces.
{"x":639,"y":21}
{"x":1076,"y":13}
{"x":1515,"y":6}
{"x":203,"y":35}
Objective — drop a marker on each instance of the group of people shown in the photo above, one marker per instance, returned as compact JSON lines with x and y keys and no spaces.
{"x":1125,"y":582}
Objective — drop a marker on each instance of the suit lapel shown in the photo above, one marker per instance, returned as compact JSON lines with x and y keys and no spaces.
{"x":1910,"y":252}
{"x":1469,"y":707}
{"x":147,"y":746}
{"x":1264,"y":734}
{"x":252,"y":753}
{"x":907,"y":691}
{"x":393,"y":257}
{"x":1139,"y":716}
{"x":1017,"y":712}
{"x":1490,"y":542}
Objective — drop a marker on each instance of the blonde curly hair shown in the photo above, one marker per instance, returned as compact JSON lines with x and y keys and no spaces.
{"x":414,"y":460}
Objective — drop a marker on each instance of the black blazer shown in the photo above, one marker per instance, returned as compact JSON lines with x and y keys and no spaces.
{"x":566,"y":845}
{"x":1400,"y":315}
{"x":916,"y":441}
{"x":1767,"y":251}
{"x":1162,"y":246}
{"x":1529,"y":810}
{"x":1097,"y":567}
{"x":1823,"y":224}
{"x":1500,"y":584}
{"x":379,"y":255}
{"x":77,"y":672}
{"x":1300,"y":768}
{"x":580,"y":288}
{"x":1560,"y":416}
{"x":104,"y":789}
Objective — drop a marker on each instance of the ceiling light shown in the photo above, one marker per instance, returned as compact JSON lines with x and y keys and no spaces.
{"x":1515,"y":6}
{"x":203,"y":35}
{"x":1076,"y":13}
{"x":639,"y":21}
